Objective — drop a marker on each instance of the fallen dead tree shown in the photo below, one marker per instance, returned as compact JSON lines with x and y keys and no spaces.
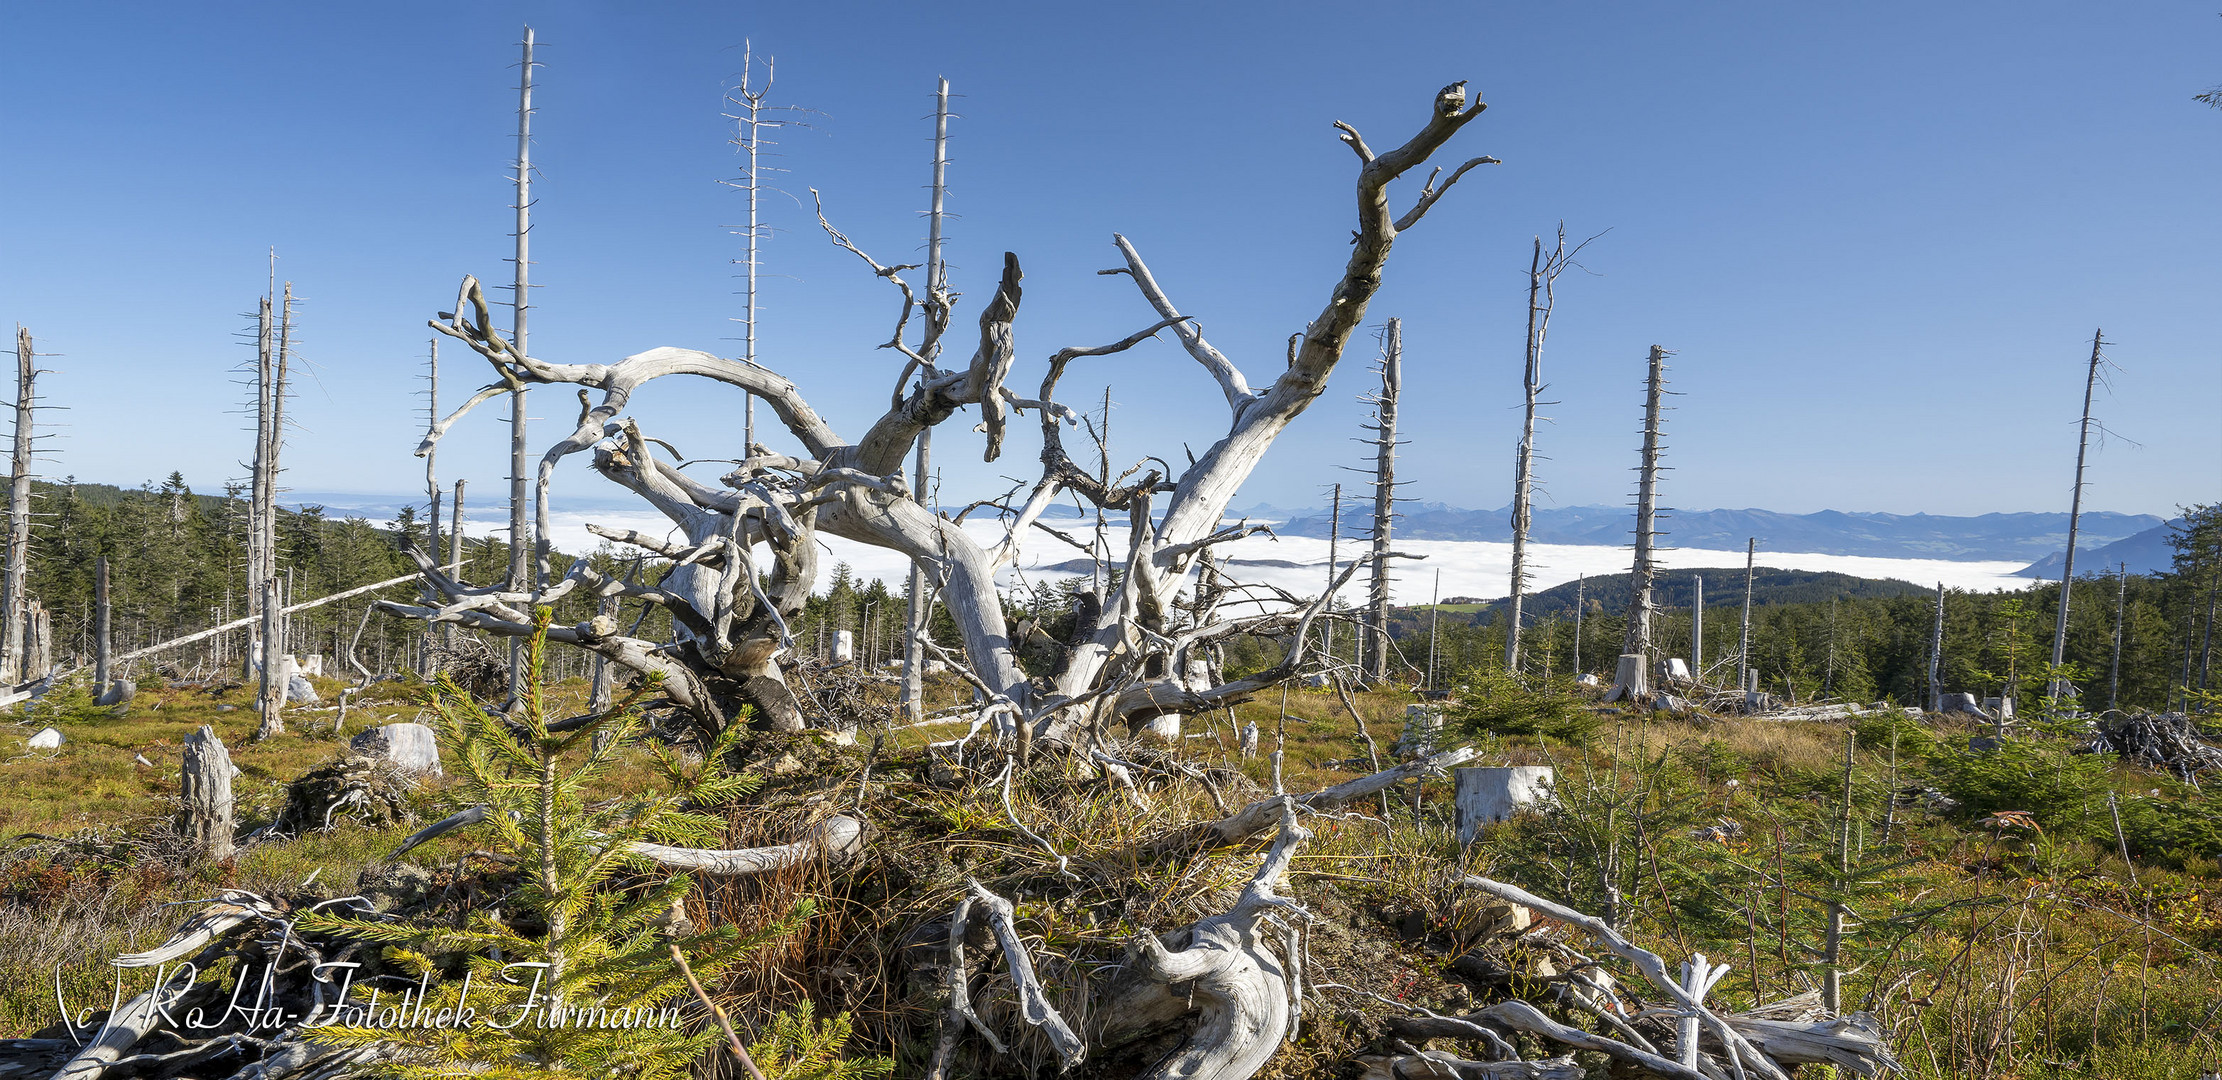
{"x":1703,"y":1042}
{"x":2170,"y":742}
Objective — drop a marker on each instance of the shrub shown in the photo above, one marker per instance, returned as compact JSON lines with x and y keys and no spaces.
{"x":1497,"y":703}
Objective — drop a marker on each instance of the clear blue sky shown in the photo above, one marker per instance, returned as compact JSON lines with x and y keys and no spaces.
{"x":1878,"y":236}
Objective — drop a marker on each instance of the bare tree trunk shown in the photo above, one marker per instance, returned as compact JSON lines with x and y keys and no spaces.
{"x":1936,"y":656}
{"x":2114,"y":670}
{"x":1334,"y":548}
{"x":272,"y":688}
{"x":912,"y":694}
{"x":2075,"y":516}
{"x":1743,"y":645}
{"x":598,"y":697}
{"x":1832,"y":971}
{"x":2206,"y":638}
{"x":523,"y":572}
{"x":204,"y":783}
{"x":13,"y":669}
{"x":446,"y":632}
{"x":1376,"y":658}
{"x":1581,"y":600}
{"x":455,"y":532}
{"x":1638,"y":639}
{"x":1434,"y":619}
{"x":1543,"y":275}
{"x":102,"y":649}
{"x":1697,"y":631}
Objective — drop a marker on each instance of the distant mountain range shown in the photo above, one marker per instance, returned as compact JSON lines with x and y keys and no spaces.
{"x":1989,"y":537}
{"x":2147,"y":552}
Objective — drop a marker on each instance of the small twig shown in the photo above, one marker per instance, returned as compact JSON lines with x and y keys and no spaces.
{"x":731,"y":1038}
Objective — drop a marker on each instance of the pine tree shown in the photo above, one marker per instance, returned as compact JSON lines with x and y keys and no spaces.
{"x":604,"y":948}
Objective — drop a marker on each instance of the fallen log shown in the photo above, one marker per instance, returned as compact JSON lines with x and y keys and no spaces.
{"x":1439,"y":1065}
{"x":1653,"y":969}
{"x":836,"y":837}
{"x":1261,"y":815}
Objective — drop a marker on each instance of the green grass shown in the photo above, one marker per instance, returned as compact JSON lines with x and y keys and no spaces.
{"x":1990,"y":950}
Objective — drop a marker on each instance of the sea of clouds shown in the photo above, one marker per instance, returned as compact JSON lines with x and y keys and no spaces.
{"x":1299,"y":564}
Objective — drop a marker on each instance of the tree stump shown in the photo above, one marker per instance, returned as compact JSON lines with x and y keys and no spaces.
{"x":205,"y":787}
{"x":1493,"y":794}
{"x":1630,"y":680}
{"x":412,"y":747}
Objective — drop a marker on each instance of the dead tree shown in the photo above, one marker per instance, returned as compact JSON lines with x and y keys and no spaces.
{"x":1581,"y":586}
{"x":912,"y":694}
{"x":1130,"y":661}
{"x":1543,"y":275}
{"x":1697,"y":628}
{"x":1936,"y":657}
{"x":205,"y":810}
{"x":525,"y":571}
{"x":431,"y":476}
{"x":1334,"y":560}
{"x":270,"y":431}
{"x":1743,"y":641}
{"x":749,"y":124}
{"x":2075,"y":516}
{"x":1636,"y":642}
{"x":16,"y":601}
{"x":2114,"y":669}
{"x":1375,"y":658}
{"x":102,"y":648}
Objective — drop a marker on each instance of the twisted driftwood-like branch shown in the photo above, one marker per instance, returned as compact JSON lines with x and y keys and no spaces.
{"x":1742,"y":1053}
{"x":731,"y":634}
{"x":1242,"y":991}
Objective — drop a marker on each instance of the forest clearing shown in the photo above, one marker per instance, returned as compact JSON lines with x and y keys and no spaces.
{"x":290,"y":796}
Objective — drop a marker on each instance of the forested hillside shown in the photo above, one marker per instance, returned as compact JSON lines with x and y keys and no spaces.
{"x":1864,"y":640}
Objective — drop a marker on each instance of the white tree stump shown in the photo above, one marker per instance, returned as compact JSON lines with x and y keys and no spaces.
{"x":1677,"y":670}
{"x":1164,"y":727}
{"x":1250,"y":740}
{"x":1630,"y":680}
{"x":205,"y":790}
{"x":412,"y":747}
{"x":844,"y":646}
{"x":1493,"y":794}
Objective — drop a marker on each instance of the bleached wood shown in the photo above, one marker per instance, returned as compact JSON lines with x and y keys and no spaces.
{"x":835,"y":837}
{"x":1375,"y":658}
{"x":1640,"y":607}
{"x":1237,"y":985}
{"x":205,"y":800}
{"x":2075,"y":516}
{"x":14,"y":601}
{"x":730,"y":638}
{"x":1262,"y":814}
{"x":1653,"y":970}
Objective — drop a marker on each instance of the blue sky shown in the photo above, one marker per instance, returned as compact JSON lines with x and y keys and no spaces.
{"x":1878,"y":237}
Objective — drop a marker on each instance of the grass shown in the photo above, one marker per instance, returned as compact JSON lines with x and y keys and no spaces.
{"x":1988,"y":950}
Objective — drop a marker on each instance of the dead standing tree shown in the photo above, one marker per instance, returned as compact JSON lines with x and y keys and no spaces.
{"x":2053,"y":686}
{"x":17,"y":601}
{"x":1375,"y":653}
{"x":1543,"y":272}
{"x":1635,"y":648}
{"x":919,"y":621}
{"x":272,"y":361}
{"x":525,"y":569}
{"x":732,"y":617}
